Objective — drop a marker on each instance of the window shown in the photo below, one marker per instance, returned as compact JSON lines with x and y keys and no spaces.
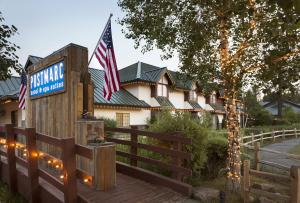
{"x":14,"y":118}
{"x":123,"y":119}
{"x":162,"y":90}
{"x":213,"y":99}
{"x":193,"y":95}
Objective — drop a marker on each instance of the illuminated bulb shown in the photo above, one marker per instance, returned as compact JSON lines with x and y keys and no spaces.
{"x":85,"y":180}
{"x":34,"y":154}
{"x":56,"y":166}
{"x":5,"y":146}
{"x":12,"y":144}
{"x":25,"y":150}
{"x":41,"y":154}
{"x":61,"y":176}
{"x":49,"y":161}
{"x":24,"y":154}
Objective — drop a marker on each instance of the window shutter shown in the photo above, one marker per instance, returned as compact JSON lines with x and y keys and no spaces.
{"x":186,"y":96}
{"x":153,"y":90}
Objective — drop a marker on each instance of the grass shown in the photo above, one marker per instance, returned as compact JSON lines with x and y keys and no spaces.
{"x":220,"y":184}
{"x":8,"y":197}
{"x":295,"y":150}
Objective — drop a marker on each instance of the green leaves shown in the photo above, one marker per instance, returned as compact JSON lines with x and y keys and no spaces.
{"x":8,"y":57}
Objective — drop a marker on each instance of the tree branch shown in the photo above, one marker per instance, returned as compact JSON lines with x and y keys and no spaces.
{"x":286,"y":56}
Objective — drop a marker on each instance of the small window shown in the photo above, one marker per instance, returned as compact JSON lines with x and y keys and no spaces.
{"x":213,"y":99}
{"x":193,"y":95}
{"x":162,"y":90}
{"x":123,"y":119}
{"x":14,"y":118}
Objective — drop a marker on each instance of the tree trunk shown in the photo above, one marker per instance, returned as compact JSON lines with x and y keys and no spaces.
{"x":234,"y":154}
{"x":280,"y":105}
{"x":233,"y":128}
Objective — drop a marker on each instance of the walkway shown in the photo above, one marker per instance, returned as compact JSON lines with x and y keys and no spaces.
{"x":283,"y":146}
{"x":132,"y":190}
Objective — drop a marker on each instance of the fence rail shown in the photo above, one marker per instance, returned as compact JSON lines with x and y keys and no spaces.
{"x":256,"y":141}
{"x":292,"y":181}
{"x":67,"y":181}
{"x":175,"y":154}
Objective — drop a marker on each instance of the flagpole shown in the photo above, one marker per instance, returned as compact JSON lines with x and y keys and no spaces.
{"x":100,"y":38}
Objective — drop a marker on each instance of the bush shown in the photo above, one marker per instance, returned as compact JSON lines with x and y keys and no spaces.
{"x":216,"y":155}
{"x":108,"y":122}
{"x":290,"y":115}
{"x":192,"y":128}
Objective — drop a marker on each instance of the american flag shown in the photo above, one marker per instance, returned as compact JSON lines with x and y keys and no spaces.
{"x":104,"y":52}
{"x":23,"y":88}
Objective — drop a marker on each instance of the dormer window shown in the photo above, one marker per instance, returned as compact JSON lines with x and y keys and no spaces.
{"x":162,"y":87}
{"x":162,"y":90}
{"x":213,"y":99}
{"x":193,"y":95}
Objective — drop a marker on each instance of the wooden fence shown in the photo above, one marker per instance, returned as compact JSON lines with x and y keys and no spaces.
{"x":251,"y":139}
{"x":32,"y":186}
{"x":253,"y":142}
{"x":292,"y":181}
{"x":175,"y":153}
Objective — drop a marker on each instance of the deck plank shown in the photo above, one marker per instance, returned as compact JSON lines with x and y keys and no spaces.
{"x":131,"y":190}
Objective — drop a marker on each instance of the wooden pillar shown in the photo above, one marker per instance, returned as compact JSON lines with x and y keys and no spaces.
{"x":262,"y":137}
{"x":257,"y":157}
{"x":177,"y":160}
{"x":133,"y":148}
{"x":69,"y":170}
{"x":11,"y":158}
{"x":295,"y":184}
{"x":246,"y":181}
{"x":273,"y":136}
{"x":252,"y":138}
{"x":104,"y":167}
{"x":32,"y":165}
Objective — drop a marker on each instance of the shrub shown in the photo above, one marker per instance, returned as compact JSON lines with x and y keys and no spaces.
{"x":290,"y":115}
{"x":192,"y":128}
{"x":216,"y":155}
{"x":108,"y":122}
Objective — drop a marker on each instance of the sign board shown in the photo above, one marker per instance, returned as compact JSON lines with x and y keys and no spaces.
{"x":50,"y":80}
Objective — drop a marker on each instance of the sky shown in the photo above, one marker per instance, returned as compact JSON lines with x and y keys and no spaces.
{"x":46,"y":26}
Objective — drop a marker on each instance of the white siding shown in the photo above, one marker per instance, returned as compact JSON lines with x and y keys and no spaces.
{"x":142,"y":92}
{"x":177,"y":99}
{"x":201,"y":101}
{"x":137,"y":117}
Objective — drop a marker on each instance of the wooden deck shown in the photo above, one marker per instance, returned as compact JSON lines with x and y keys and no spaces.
{"x":131,"y":190}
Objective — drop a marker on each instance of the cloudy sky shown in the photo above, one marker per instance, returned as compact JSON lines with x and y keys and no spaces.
{"x":45,"y":26}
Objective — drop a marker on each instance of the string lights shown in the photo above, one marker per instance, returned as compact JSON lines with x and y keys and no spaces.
{"x":51,"y":162}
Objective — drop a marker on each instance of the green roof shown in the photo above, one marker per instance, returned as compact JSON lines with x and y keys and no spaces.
{"x":164,"y":102}
{"x":218,"y":107}
{"x":120,"y":98}
{"x":195,"y":105}
{"x":148,"y":73}
{"x":9,"y":88}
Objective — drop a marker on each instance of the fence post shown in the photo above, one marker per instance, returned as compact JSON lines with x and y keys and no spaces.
{"x":283,"y":134}
{"x":11,"y":158}
{"x":252,"y":138}
{"x":246,"y":181}
{"x":32,"y":165}
{"x":176,"y":160}
{"x":69,"y":169}
{"x":261,"y":137}
{"x":295,"y":130}
{"x":295,"y":184}
{"x":133,"y":148}
{"x":256,"y":155}
{"x":273,"y":136}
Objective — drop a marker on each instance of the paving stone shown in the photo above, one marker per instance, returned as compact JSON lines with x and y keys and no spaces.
{"x":266,"y":200}
{"x":265,"y":187}
{"x":206,"y":194}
